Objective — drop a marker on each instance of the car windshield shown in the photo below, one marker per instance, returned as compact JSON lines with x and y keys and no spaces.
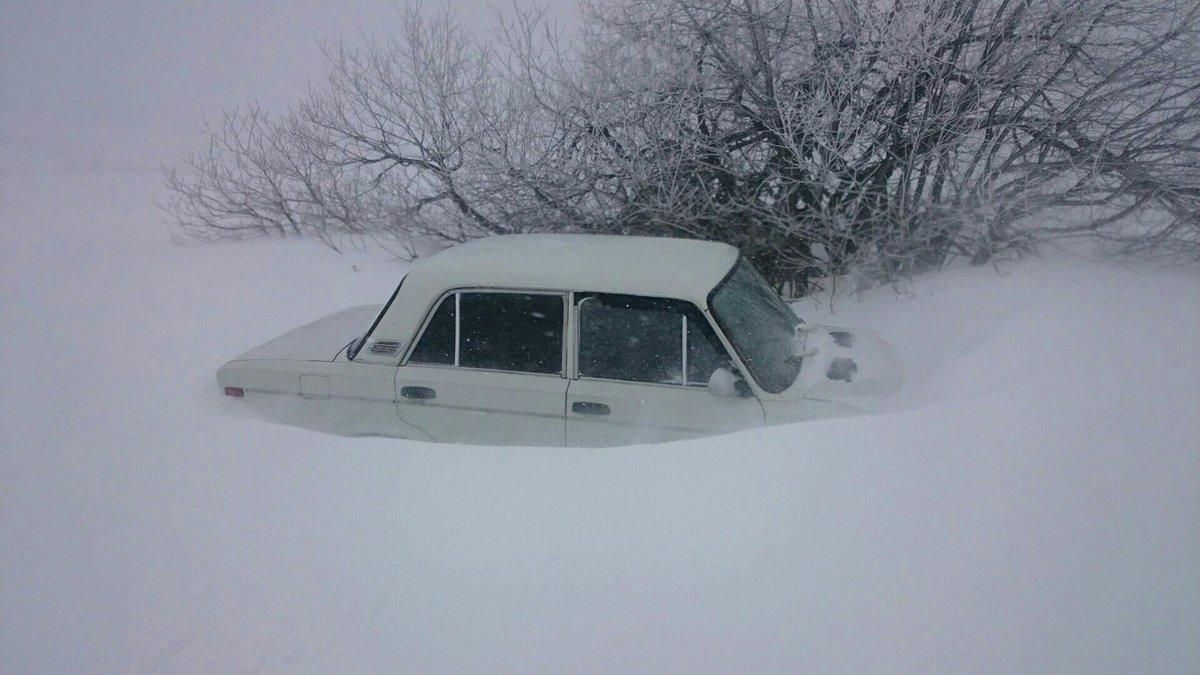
{"x":760,"y":325}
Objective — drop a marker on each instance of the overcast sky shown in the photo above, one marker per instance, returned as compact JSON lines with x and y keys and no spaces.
{"x":130,"y":81}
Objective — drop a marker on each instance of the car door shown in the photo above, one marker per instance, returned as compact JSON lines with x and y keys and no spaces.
{"x":642,"y":370}
{"x":488,"y":367}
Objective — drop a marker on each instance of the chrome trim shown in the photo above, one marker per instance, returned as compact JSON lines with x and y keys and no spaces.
{"x":437,"y":304}
{"x":457,"y":328}
{"x":386,"y":347}
{"x":471,"y":369}
{"x":683,"y":347}
{"x":577,"y":333}
{"x":669,"y":385}
{"x":571,"y":332}
{"x":320,"y":397}
{"x":712,"y":325}
{"x":374,"y":324}
{"x":498,"y":411}
{"x":404,"y":401}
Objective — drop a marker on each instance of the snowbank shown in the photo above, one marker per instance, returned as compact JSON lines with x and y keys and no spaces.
{"x":1031,"y":502}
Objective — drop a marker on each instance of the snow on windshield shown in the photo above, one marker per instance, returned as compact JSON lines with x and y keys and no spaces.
{"x":760,"y":326}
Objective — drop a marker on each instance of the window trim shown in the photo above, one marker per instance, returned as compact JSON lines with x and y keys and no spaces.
{"x":374,"y":324}
{"x":457,"y":292}
{"x":577,"y":335}
{"x":748,"y":372}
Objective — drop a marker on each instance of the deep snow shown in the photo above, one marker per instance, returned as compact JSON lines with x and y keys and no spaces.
{"x":1031,"y":503}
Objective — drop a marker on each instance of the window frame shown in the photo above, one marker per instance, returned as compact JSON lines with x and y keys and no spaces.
{"x":362,"y":342}
{"x":457,"y":292}
{"x":714,"y":316}
{"x":577,"y":336}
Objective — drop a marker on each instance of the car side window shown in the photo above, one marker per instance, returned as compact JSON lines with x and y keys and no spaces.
{"x":511,"y":331}
{"x":636,"y":339}
{"x":521,"y":332}
{"x":437,"y":345}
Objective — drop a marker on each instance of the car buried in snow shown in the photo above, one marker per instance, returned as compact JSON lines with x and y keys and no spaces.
{"x":565,"y":340}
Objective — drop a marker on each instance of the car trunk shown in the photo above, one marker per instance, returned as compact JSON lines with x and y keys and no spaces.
{"x":321,"y":340}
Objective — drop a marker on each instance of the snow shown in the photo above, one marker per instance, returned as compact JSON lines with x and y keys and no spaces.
{"x":1031,"y":501}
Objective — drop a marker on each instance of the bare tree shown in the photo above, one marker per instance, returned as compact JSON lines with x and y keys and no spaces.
{"x":404,"y":140}
{"x":895,"y":136}
{"x":820,"y":136}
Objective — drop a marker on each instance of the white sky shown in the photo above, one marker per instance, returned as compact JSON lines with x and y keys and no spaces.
{"x":129,"y":81}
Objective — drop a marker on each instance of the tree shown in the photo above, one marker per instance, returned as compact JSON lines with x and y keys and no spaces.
{"x":820,"y":136}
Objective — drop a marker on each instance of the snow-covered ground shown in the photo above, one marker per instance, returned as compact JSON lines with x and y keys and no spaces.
{"x":1032,"y":504}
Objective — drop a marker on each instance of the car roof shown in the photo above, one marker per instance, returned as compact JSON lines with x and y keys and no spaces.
{"x":674,"y":268}
{"x":683,"y":269}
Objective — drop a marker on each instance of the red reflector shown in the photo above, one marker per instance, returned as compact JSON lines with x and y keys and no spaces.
{"x":235,"y":391}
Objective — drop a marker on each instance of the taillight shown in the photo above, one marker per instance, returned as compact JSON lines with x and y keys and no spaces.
{"x":236,"y":392}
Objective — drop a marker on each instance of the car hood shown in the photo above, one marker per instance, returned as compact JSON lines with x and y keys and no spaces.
{"x":846,"y":365}
{"x":321,"y":340}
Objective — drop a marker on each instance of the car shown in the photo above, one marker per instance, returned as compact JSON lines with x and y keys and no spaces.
{"x":565,"y":340}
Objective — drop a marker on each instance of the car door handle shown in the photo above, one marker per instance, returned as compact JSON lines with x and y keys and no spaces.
{"x":419,"y":393}
{"x":589,"y":408}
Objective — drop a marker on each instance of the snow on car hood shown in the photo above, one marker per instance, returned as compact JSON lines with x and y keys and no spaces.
{"x":848,"y":365}
{"x":321,"y":340}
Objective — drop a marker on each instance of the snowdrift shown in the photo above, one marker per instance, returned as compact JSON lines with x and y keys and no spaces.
{"x":1029,"y":502}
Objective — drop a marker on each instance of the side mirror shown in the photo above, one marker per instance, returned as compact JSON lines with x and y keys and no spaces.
{"x":725,"y":383}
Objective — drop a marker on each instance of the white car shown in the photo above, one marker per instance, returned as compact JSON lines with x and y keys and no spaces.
{"x":576,"y":340}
